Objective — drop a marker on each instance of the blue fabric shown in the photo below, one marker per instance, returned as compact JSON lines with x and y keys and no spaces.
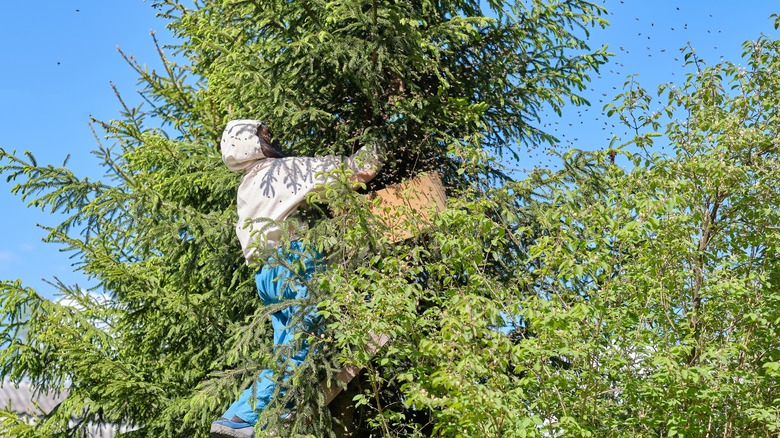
{"x":277,"y":281}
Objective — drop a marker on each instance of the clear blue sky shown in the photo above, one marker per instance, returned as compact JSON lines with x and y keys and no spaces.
{"x":59,"y":58}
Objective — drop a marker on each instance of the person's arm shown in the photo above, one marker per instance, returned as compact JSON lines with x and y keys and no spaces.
{"x":302,"y":175}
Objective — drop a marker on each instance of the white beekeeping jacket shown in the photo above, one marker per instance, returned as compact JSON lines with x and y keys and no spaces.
{"x":272,"y":189}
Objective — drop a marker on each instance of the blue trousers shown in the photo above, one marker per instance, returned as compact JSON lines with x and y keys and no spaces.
{"x":277,"y":281}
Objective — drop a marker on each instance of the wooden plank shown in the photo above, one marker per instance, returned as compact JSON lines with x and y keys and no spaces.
{"x":343,"y":377}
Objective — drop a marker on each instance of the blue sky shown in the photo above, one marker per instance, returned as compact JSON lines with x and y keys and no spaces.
{"x":59,"y":58}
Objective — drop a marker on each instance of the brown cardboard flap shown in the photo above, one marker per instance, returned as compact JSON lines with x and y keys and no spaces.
{"x":405,"y":209}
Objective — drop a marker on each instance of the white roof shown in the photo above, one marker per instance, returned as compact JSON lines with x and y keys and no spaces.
{"x":22,"y":400}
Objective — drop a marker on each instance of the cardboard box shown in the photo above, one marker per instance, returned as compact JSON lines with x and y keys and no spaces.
{"x":405,"y":209}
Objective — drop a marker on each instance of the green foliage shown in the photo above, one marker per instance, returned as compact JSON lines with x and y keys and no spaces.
{"x":645,"y":296}
{"x":419,"y":75}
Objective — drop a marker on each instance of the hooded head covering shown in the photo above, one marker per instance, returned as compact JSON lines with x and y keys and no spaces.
{"x":242,"y":144}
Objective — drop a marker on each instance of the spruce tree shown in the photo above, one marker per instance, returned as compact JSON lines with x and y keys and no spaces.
{"x":450,"y":86}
